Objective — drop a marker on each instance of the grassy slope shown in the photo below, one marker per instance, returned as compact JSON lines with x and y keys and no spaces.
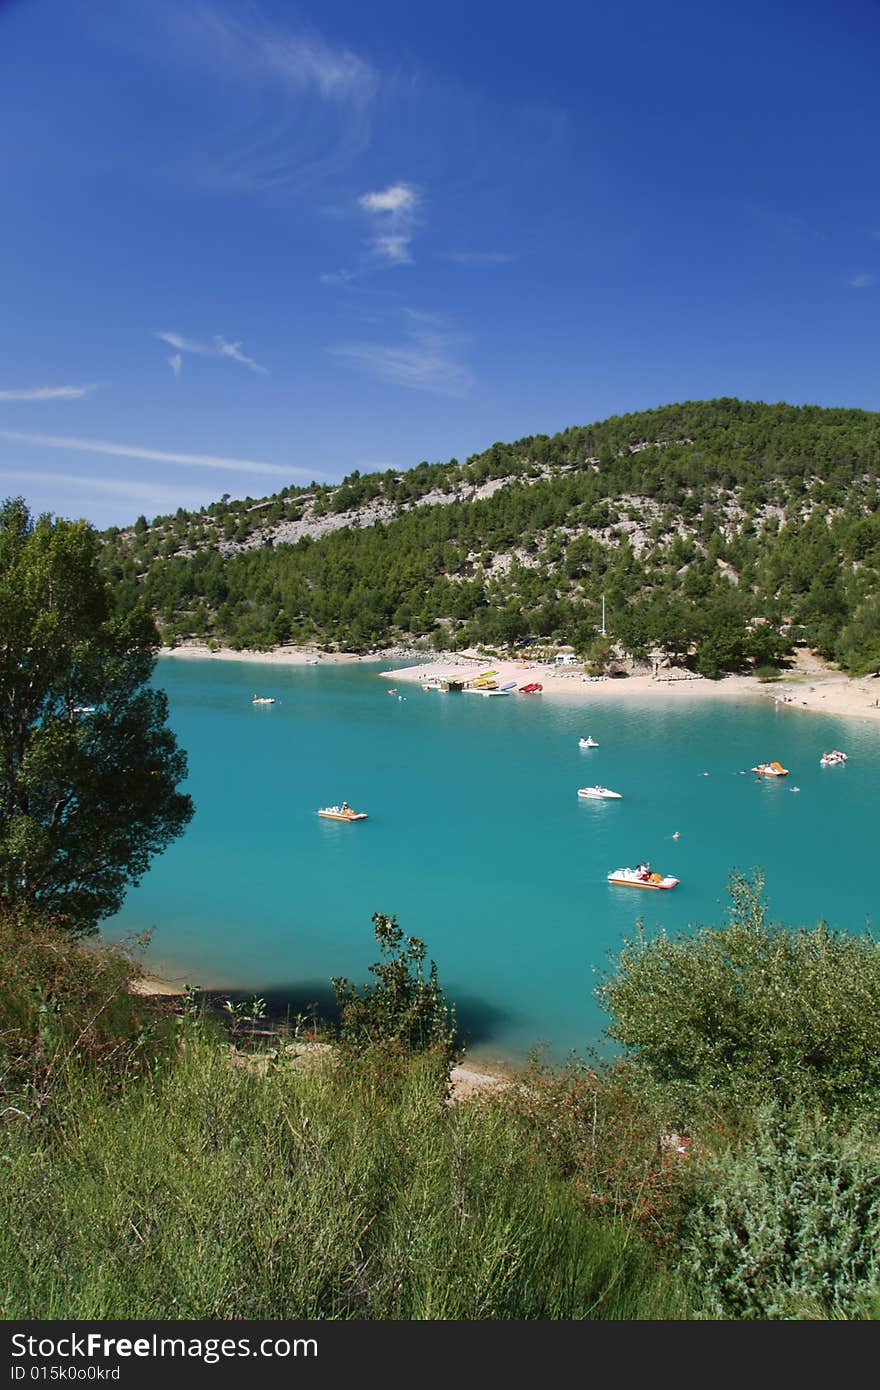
{"x":326,"y":1191}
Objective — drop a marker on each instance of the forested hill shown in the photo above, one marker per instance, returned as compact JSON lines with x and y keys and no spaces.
{"x":718,"y":531}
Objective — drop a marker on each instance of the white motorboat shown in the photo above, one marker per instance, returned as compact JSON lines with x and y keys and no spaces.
{"x":263,"y":700}
{"x":599,"y":793}
{"x":588,"y":742}
{"x":642,"y":876}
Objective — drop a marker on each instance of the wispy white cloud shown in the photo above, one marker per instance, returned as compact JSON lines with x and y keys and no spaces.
{"x":154,"y":497}
{"x":234,"y":351}
{"x":479,"y":257}
{"x":217,"y":347}
{"x":132,"y":451}
{"x":337,"y":277}
{"x":862,"y":282}
{"x":394,"y":211}
{"x":425,"y":360}
{"x":45,"y":393}
{"x":399,"y":200}
{"x":393,"y":247}
{"x":295,"y":108}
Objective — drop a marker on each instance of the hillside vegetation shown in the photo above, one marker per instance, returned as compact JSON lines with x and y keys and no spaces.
{"x":157,"y":1164}
{"x":718,"y":532}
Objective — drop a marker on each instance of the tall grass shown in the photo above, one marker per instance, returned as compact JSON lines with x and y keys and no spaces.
{"x":207,"y":1189}
{"x":62,"y":998}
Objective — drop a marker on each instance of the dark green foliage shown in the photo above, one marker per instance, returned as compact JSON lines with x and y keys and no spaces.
{"x":759,"y":1044}
{"x":407,"y":1008}
{"x":859,"y":643}
{"x":752,"y":1010}
{"x":695,"y":520}
{"x":88,"y":766}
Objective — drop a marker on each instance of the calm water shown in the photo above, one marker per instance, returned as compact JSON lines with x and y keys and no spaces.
{"x":477,"y":839}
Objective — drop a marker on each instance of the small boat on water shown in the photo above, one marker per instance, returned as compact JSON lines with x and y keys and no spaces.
{"x":488,"y":692}
{"x":263,"y":700}
{"x":774,"y":769}
{"x":510,"y":685}
{"x":84,"y":709}
{"x":833,"y":759}
{"x":642,"y":876}
{"x":343,"y":812}
{"x":533,"y":688}
{"x":588,"y":742}
{"x":598,"y":793}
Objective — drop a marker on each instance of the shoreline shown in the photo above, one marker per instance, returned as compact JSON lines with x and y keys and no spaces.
{"x":808,"y":685}
{"x":464,"y":1081}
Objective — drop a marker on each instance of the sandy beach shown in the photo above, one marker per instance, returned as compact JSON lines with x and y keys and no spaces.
{"x":810,"y":685}
{"x":277,"y":656}
{"x":818,"y":691}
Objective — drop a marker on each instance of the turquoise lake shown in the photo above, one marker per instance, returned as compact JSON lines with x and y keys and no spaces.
{"x":477,"y":840}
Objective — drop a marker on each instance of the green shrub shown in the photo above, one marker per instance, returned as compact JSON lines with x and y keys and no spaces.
{"x":789,"y":1224}
{"x":751,"y":1010}
{"x":406,"y":1008}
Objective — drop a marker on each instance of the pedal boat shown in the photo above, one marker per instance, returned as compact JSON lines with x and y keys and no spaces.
{"x":642,"y":877}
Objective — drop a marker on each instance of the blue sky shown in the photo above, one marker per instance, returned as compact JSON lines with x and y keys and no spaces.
{"x":245,"y":245}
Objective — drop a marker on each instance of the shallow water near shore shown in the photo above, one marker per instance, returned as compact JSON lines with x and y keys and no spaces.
{"x":477,"y":840}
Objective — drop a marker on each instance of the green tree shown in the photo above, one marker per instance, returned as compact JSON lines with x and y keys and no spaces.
{"x":859,"y":645}
{"x":598,"y":652}
{"x":406,"y":1007}
{"x":752,"y":1010}
{"x":88,"y":767}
